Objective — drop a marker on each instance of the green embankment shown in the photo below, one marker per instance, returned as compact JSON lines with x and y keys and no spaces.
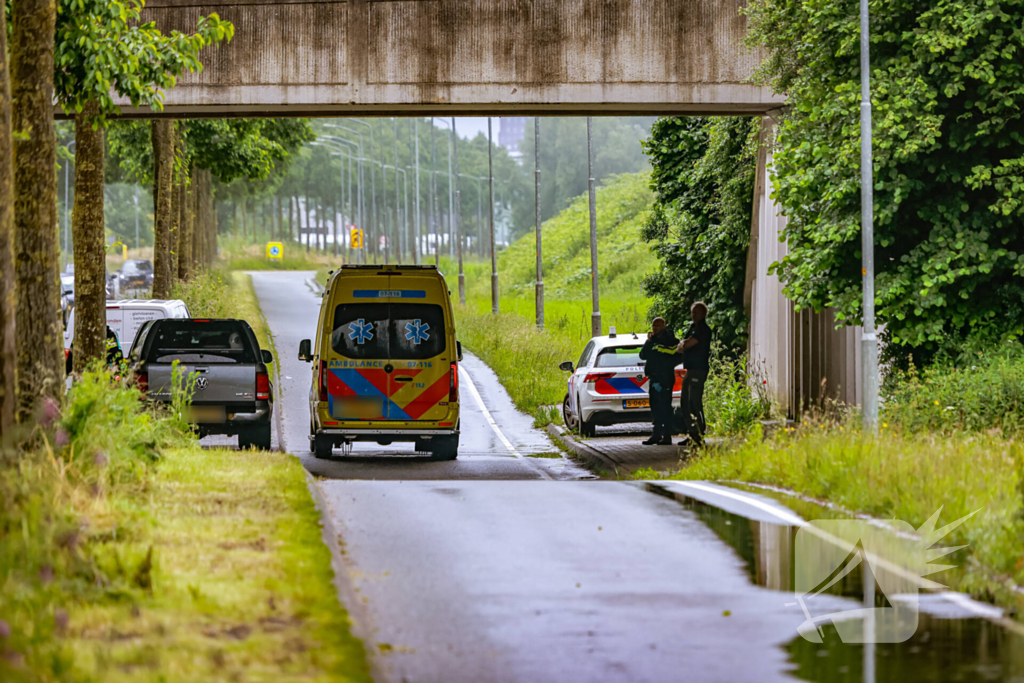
{"x":129,"y":553}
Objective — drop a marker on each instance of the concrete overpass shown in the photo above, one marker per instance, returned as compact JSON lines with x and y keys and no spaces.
{"x":443,"y":57}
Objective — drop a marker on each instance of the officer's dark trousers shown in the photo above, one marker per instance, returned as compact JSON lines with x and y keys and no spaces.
{"x":661,"y":405}
{"x":691,"y":402}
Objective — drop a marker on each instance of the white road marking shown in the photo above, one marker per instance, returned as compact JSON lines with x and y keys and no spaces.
{"x":490,"y":419}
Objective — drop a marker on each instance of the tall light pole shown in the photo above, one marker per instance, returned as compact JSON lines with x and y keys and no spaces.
{"x":458,"y":210}
{"x":347,"y":147}
{"x":434,"y":209}
{"x":869,"y":340}
{"x":451,"y":196}
{"x":398,"y":225}
{"x":536,"y":183}
{"x":416,"y":146}
{"x":136,"y":217}
{"x":490,"y":185}
{"x":595,"y":318}
{"x":361,"y":185}
{"x":67,"y":220}
{"x":373,"y":190}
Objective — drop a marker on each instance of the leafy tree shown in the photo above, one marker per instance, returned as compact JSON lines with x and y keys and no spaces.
{"x":703,"y":174}
{"x":948,"y":98}
{"x":104,"y":49}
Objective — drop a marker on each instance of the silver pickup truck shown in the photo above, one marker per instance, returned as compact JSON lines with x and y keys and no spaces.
{"x":232,"y":393}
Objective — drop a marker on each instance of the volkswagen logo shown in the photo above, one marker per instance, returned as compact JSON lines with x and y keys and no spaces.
{"x":201,"y":383}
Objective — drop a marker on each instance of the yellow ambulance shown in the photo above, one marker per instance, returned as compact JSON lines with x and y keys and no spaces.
{"x":385,"y":361}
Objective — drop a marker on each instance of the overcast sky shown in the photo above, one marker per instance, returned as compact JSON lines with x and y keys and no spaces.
{"x":469,"y":126}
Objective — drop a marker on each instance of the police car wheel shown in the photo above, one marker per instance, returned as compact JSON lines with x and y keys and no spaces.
{"x":571,"y":423}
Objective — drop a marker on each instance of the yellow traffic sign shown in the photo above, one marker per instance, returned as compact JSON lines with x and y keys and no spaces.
{"x":356,"y":238}
{"x":275,"y":250}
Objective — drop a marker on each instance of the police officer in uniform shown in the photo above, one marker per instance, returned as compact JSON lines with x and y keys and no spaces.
{"x":660,"y":354}
{"x":696,"y":350}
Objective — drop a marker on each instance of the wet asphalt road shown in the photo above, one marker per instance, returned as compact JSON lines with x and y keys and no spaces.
{"x":500,"y":566}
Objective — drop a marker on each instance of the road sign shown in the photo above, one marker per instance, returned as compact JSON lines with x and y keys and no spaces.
{"x":275,"y":250}
{"x":356,"y":238}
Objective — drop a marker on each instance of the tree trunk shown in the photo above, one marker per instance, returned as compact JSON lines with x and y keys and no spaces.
{"x":37,"y":318}
{"x":8,"y":353}
{"x":185,"y":236}
{"x":90,"y":252}
{"x":163,"y":172}
{"x":175,"y":226}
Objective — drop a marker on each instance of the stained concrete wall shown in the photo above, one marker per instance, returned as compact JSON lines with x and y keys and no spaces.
{"x":469,"y":56}
{"x":803,"y":357}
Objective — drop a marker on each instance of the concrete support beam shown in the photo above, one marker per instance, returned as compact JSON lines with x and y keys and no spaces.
{"x":464,"y":57}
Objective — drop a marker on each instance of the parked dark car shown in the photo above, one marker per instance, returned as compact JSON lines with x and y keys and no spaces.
{"x":135,"y":274}
{"x":232,"y":395}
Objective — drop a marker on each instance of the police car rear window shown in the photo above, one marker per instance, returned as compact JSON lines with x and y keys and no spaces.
{"x":388,"y":331}
{"x":619,"y":357}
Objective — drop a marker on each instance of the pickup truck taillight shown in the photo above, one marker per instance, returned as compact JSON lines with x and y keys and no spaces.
{"x":142,"y":382}
{"x":262,"y":386}
{"x":323,"y":381}
{"x":453,"y":384}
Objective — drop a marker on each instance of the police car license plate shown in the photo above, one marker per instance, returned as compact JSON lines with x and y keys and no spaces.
{"x":636,"y":403}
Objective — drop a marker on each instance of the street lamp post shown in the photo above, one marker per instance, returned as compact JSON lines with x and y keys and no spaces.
{"x":416,"y":146}
{"x":361,"y":185}
{"x":536,"y":184}
{"x":347,"y":147}
{"x":595,"y":318}
{"x":67,"y":220}
{"x":373,"y":191}
{"x":490,"y":185}
{"x":457,"y":212}
{"x":434,"y":208}
{"x":451,"y":195}
{"x":869,"y":340}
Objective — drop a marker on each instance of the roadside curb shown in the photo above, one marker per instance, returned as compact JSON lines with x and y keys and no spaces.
{"x":357,"y":613}
{"x":593,"y":459}
{"x":314,"y":286}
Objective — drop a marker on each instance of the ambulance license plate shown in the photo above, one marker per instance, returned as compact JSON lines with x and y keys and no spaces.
{"x":636,"y":403}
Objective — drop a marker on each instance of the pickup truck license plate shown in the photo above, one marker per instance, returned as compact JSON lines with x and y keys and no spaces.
{"x":636,"y":403}
{"x":206,"y":414}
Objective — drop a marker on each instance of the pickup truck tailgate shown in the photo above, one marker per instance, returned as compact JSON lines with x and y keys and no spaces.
{"x":221,"y":383}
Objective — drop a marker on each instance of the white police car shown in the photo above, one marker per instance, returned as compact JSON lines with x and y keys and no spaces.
{"x":608,"y":385}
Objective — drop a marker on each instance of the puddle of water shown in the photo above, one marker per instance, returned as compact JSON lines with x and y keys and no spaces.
{"x":948,"y":644}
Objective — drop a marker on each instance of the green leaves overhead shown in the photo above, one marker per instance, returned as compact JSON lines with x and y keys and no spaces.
{"x":948,"y":99}
{"x":703,"y":174}
{"x":103,"y":50}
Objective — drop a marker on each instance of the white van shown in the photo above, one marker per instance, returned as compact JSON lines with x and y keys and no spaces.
{"x":126,"y":316}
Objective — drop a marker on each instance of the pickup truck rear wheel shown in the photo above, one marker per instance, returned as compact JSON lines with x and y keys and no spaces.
{"x":444,"y":448}
{"x":255,"y":437}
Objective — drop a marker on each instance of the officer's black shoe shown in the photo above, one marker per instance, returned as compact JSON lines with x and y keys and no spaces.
{"x":665,"y":440}
{"x":654,"y":440}
{"x":685,"y":441}
{"x":696,"y":440}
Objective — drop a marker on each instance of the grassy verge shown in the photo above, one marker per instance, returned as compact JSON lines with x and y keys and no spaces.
{"x":127,"y":552}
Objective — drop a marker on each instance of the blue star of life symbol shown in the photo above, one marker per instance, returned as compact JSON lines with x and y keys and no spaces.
{"x":361,"y":331}
{"x":417,"y":331}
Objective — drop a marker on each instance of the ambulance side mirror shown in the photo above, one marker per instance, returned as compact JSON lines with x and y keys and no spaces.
{"x":458,"y":350}
{"x":306,"y":350}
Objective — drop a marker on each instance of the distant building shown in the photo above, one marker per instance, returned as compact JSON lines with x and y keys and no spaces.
{"x":511,"y":134}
